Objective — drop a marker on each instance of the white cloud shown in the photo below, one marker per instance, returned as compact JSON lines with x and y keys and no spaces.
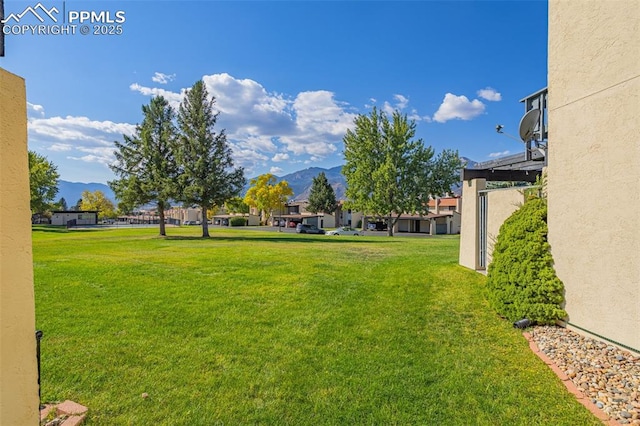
{"x":77,"y":136}
{"x":92,"y":159}
{"x":499,"y":154}
{"x":162,"y":78}
{"x":320,"y":121}
{"x":281,"y":156}
{"x":401,"y":103}
{"x":38,"y":109}
{"x":60,"y":147}
{"x":458,"y":107}
{"x":83,"y":129}
{"x":386,"y":107}
{"x":490,"y":94}
{"x":263,"y":125}
{"x":417,"y":117}
{"x":257,"y":143}
{"x":173,"y":98}
{"x":275,"y":170}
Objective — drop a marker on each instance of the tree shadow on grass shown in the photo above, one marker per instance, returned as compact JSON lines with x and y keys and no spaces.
{"x":58,"y":229}
{"x":276,"y":239}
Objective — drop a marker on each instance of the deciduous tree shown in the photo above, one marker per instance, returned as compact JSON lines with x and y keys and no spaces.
{"x":266,"y":195}
{"x":322,"y":197}
{"x":208,"y":177}
{"x":145,"y":163}
{"x":43,"y":182}
{"x":236,"y":205}
{"x":96,"y":200}
{"x":388,"y":172}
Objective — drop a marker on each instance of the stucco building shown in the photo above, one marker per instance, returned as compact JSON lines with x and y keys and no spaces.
{"x":18,"y":368}
{"x":592,"y":161}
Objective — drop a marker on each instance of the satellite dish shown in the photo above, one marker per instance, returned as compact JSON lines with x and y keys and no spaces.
{"x":528,"y":124}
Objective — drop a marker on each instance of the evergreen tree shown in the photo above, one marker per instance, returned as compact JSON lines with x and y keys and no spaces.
{"x":145,"y":162}
{"x":521,"y":280}
{"x":322,"y":197}
{"x":208,"y":177}
{"x":62,"y":204}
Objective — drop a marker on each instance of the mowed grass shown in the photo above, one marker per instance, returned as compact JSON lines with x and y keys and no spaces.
{"x":254,"y":327}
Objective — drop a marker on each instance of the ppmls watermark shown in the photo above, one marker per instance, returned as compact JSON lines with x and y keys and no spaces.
{"x":43,"y":21}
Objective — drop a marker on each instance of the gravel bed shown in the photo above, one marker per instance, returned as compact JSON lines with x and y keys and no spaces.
{"x":609,"y":376}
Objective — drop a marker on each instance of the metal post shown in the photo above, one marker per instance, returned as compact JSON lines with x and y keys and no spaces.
{"x":39,"y":335}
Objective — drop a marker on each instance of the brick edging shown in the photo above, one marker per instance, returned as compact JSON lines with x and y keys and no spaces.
{"x":571,"y":387}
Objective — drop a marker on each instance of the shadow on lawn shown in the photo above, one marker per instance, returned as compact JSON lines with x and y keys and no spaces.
{"x":276,"y":239}
{"x":58,"y":229}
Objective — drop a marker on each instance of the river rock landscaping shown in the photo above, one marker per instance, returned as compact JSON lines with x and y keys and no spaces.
{"x":609,"y":376}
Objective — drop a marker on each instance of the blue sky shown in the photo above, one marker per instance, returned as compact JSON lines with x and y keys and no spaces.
{"x":289,"y":76}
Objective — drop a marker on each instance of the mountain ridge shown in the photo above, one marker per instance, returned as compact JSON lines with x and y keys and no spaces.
{"x":300,"y":182}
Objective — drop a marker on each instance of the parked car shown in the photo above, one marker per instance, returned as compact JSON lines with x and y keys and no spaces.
{"x":303,"y":228}
{"x":189,"y":222}
{"x":377,"y":226}
{"x":344,"y":230}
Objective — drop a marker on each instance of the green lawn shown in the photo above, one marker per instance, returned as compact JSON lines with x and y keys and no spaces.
{"x":253,"y":327}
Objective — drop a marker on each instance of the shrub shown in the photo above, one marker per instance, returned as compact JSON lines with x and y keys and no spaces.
{"x":521,"y":280}
{"x":238,"y":221}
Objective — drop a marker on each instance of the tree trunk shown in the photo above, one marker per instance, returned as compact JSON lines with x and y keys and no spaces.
{"x":163,"y":231}
{"x":205,"y":223}
{"x":390,"y":224}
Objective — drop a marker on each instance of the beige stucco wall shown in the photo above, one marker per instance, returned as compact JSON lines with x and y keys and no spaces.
{"x":18,"y":368}
{"x":594,"y":163}
{"x":469,"y":223}
{"x":501,"y":203}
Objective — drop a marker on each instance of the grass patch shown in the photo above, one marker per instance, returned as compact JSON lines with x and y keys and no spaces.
{"x":253,"y":327}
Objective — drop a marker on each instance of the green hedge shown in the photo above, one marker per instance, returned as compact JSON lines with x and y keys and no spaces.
{"x":521,"y":280}
{"x":238,"y":221}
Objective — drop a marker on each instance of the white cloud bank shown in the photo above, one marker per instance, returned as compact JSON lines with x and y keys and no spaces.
{"x":263,"y":125}
{"x":77,"y":136}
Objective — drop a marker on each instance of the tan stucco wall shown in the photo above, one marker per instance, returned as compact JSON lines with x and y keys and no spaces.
{"x":469,"y":223}
{"x":18,"y":368}
{"x":594,"y":163}
{"x":501,"y":203}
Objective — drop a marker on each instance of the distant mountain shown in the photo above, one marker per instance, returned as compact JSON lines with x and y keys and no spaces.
{"x":302,"y":180}
{"x":469,"y":163}
{"x":299,"y":181}
{"x":72,"y":191}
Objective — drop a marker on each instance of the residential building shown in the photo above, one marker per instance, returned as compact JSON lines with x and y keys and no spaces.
{"x":180,"y":215}
{"x":223,"y":218}
{"x":74,"y":217}
{"x":295,"y":211}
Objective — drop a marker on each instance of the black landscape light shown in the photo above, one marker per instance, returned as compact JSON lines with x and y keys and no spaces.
{"x":39,"y":334}
{"x":523,"y":323}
